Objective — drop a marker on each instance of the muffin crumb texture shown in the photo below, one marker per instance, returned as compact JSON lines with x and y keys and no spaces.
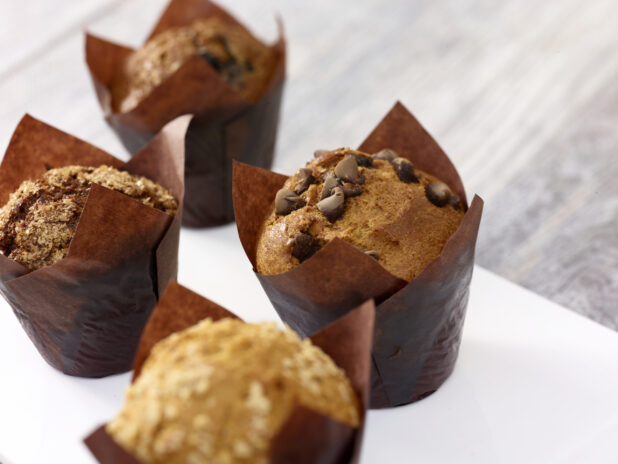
{"x":380,"y":203}
{"x":218,"y":392}
{"x":240,"y":59}
{"x":39,"y":221}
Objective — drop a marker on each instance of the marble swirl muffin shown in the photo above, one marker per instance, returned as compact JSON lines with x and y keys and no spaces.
{"x":380,"y":203}
{"x":218,"y":392}
{"x":39,"y":221}
{"x":241,"y":60}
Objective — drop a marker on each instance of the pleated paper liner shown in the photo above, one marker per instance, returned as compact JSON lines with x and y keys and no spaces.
{"x":85,"y":313}
{"x":226,"y":126}
{"x":418,"y":323}
{"x":307,"y":437}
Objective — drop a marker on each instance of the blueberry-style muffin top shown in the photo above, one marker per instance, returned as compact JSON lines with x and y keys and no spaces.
{"x":241,"y":60}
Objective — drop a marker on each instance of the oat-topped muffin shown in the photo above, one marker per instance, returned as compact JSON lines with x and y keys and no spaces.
{"x":38,"y":222}
{"x":240,"y":59}
{"x":220,"y":391}
{"x":380,"y":203}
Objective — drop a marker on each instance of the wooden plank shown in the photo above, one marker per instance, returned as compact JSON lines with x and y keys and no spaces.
{"x":28,"y":28}
{"x":568,"y":235}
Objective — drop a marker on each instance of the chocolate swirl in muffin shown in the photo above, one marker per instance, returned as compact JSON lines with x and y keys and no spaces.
{"x":39,"y":221}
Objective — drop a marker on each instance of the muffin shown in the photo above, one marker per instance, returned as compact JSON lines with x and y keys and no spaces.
{"x":88,"y":242}
{"x":198,"y":60}
{"x":38,"y":222}
{"x":208,"y":387}
{"x":380,"y":203}
{"x":388,"y":221}
{"x":220,"y":391}
{"x":242,"y":61}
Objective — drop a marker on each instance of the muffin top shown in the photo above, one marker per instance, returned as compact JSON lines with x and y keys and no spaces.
{"x":220,"y":391}
{"x":38,"y":222}
{"x":380,"y":203}
{"x":240,"y":59}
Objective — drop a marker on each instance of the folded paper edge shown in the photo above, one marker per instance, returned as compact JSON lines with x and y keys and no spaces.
{"x":170,"y":142}
{"x":400,"y":130}
{"x":168,"y":318}
{"x":434,"y":270}
{"x":243,"y":175}
{"x":13,"y":164}
{"x":103,"y":74}
{"x":358,"y":325}
{"x":106,"y":450}
{"x":335,"y":443}
{"x":99,"y":202}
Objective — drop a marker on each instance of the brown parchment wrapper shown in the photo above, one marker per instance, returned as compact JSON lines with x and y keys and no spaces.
{"x":307,"y":437}
{"x":85,"y":313}
{"x":418,"y":323}
{"x":225,"y":127}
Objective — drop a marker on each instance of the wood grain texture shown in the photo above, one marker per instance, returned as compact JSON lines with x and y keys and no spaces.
{"x":523,"y":95}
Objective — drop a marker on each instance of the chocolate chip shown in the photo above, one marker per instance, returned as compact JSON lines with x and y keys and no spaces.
{"x":386,"y":154}
{"x":405,"y":170}
{"x":320,"y":152}
{"x":333,"y":206}
{"x":438,"y":193}
{"x":330,"y":182}
{"x":232,"y":71}
{"x":305,"y":179}
{"x":454,"y":201}
{"x":364,"y":161}
{"x":349,"y":190}
{"x":249,"y":66}
{"x":347,"y":170}
{"x":214,"y":61}
{"x":287,"y":201}
{"x":373,"y":254}
{"x":211,"y":59}
{"x":304,"y":246}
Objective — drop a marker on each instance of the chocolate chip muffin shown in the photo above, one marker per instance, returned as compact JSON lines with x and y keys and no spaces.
{"x":38,"y":222}
{"x":220,"y":391}
{"x":380,"y":203}
{"x":240,"y":59}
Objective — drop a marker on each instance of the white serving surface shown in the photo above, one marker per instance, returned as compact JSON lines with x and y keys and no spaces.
{"x":534,"y":382}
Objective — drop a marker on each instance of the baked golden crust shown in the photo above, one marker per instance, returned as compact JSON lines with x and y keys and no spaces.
{"x":218,"y":392}
{"x":391,"y":219}
{"x":38,"y":222}
{"x":240,"y":59}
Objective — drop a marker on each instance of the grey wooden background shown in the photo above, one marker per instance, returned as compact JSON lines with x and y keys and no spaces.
{"x":522,"y":94}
